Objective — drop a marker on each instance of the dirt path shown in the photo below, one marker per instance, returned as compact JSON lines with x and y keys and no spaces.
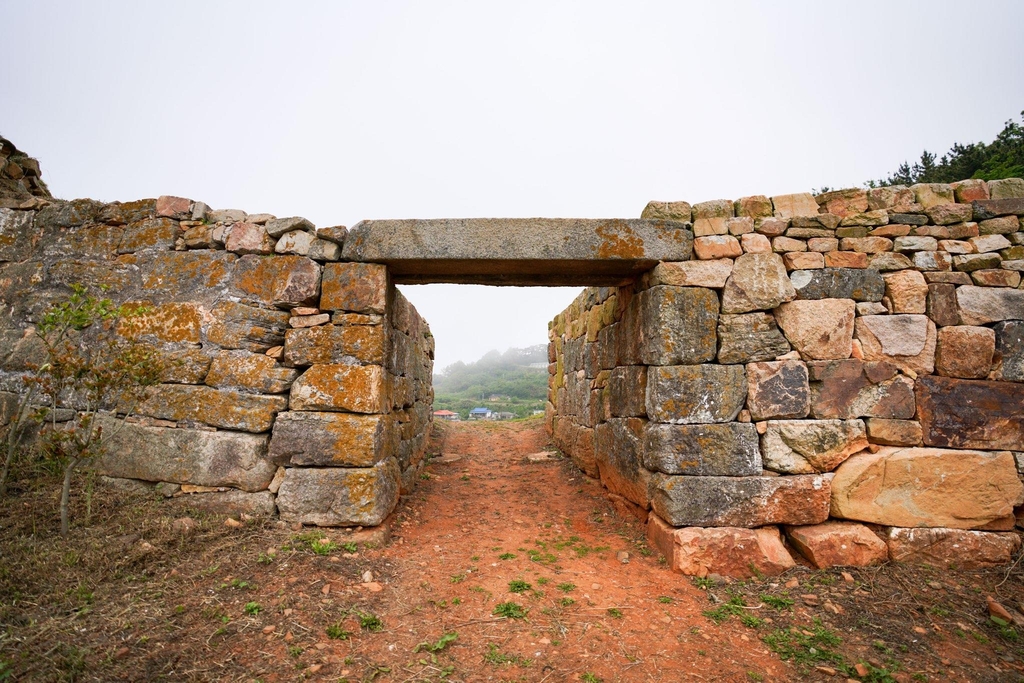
{"x":506,"y":564}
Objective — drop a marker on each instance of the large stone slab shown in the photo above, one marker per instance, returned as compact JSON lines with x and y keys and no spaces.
{"x":819,"y":329}
{"x":906,"y":341}
{"x":340,"y":387}
{"x":729,"y":450}
{"x":749,"y":337}
{"x":757,"y":282}
{"x":961,"y":413}
{"x":618,"y":445}
{"x":692,"y":394}
{"x":253,"y":372}
{"x":518,"y":251}
{"x":810,"y":446}
{"x":220,"y":408}
{"x":282,"y":281}
{"x":927,"y":487}
{"x":339,"y":496}
{"x":838,"y":544}
{"x":677,"y":325}
{"x":726,"y":551}
{"x":627,"y":391}
{"x":331,"y":439}
{"x":859,"y":284}
{"x":355,"y":287}
{"x":238,"y":326}
{"x":185,"y":456}
{"x":346,"y":344}
{"x":853,"y":388}
{"x":983,"y":305}
{"x":952,"y":548}
{"x":741,"y":501}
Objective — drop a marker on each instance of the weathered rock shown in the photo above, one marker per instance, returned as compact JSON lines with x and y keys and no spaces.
{"x":692,"y":394}
{"x":844,"y":202}
{"x":757,"y":206}
{"x":810,"y":446}
{"x":803,"y":261}
{"x":983,"y":305}
{"x":339,"y":496}
{"x":960,"y":413}
{"x":868,"y":218}
{"x":915,"y":243}
{"x":295,"y":242}
{"x":948,"y":214}
{"x":716,"y":247}
{"x":185,"y":456}
{"x":231,"y":502}
{"x":820,"y":329}
{"x":153,"y":233}
{"x":331,"y":439}
{"x":578,"y":443}
{"x":838,"y":283}
{"x":932,"y":194}
{"x":991,"y":208}
{"x":677,"y":325}
{"x":668,"y":211}
{"x":965,"y":351}
{"x":246,"y":238}
{"x":984,"y":244}
{"x":749,"y":337}
{"x":778,"y":390}
{"x":336,"y":386}
{"x":941,"y":304}
{"x":356,"y":287}
{"x":1010,"y":346}
{"x":627,"y":391}
{"x":757,"y":282}
{"x":852,"y":388}
{"x":1006,"y":188}
{"x":215,"y":407}
{"x":889,"y":197}
{"x":237,"y":326}
{"x":345,"y":344}
{"x":692,"y":273}
{"x":790,"y":205}
{"x":171,"y":322}
{"x":906,"y":341}
{"x":729,"y":450}
{"x":173,"y":207}
{"x":996,"y":278}
{"x":968,"y":263}
{"x":324,"y":250}
{"x":967,"y":191}
{"x":951,"y":548}
{"x":280,"y":226}
{"x":618,"y":447}
{"x":913,"y":487}
{"x":933,"y":260}
{"x":838,"y":544}
{"x":887,"y":262}
{"x":787,"y":244}
{"x":907,"y":291}
{"x":518,"y":251}
{"x":1004,"y":225}
{"x":740,"y":501}
{"x":249,"y":372}
{"x":845,"y":259}
{"x":726,"y":551}
{"x":894,"y":432}
{"x":282,"y":281}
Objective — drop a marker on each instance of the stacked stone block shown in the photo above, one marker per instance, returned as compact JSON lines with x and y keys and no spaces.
{"x":836,"y":376}
{"x":294,"y":382}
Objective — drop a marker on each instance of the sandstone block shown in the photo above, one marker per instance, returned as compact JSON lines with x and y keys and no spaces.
{"x":803,"y":260}
{"x":788,"y":245}
{"x":757,"y":206}
{"x":357,"y":287}
{"x":668,"y":211}
{"x":740,"y":501}
{"x":966,"y":191}
{"x":249,"y":372}
{"x":331,"y":439}
{"x":777,"y":390}
{"x":771,"y":227}
{"x":907,"y":291}
{"x":838,"y":544}
{"x":823,"y":245}
{"x":618,"y":448}
{"x":340,"y":387}
{"x":295,"y":242}
{"x":914,"y":243}
{"x":344,"y":344}
{"x":692,"y":273}
{"x":941,"y":304}
{"x":790,"y":205}
{"x":893,"y":230}
{"x":677,"y":325}
{"x":694,"y":394}
{"x":926,"y":487}
{"x":906,"y":341}
{"x":280,"y":226}
{"x":1004,"y":225}
{"x":281,"y":281}
{"x":844,"y":202}
{"x":810,"y":446}
{"x":948,"y":214}
{"x":226,"y":216}
{"x":627,"y":389}
{"x":173,"y":207}
{"x":996,"y":278}
{"x":324,"y":250}
{"x":726,"y":551}
{"x":578,"y":443}
{"x":705,"y":227}
{"x":757,"y":282}
{"x":1006,"y":188}
{"x":335,"y":234}
{"x":983,"y":305}
{"x":952,"y":548}
{"x":820,"y":329}
{"x":749,"y":337}
{"x":740,"y":226}
{"x":1010,"y":346}
{"x":888,"y":261}
{"x":991,"y":208}
{"x":933,"y":260}
{"x":185,"y":456}
{"x":894,"y":432}
{"x":846,"y":259}
{"x":215,"y":407}
{"x":965,"y":351}
{"x":755,"y":243}
{"x":932,"y":194}
{"x":729,"y":450}
{"x":237,"y":326}
{"x":246,"y":238}
{"x":960,"y":413}
{"x":968,"y":263}
{"x":866,"y":219}
{"x":838,"y":283}
{"x":984,"y":244}
{"x":339,"y":496}
{"x":717,"y":247}
{"x":889,"y":197}
{"x":853,"y":388}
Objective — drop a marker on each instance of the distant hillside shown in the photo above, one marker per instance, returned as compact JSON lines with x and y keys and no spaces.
{"x":500,"y":381}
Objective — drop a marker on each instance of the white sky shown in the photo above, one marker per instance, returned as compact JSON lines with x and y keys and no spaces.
{"x":339,"y":111}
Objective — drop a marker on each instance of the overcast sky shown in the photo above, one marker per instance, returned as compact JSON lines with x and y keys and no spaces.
{"x":340,"y":111}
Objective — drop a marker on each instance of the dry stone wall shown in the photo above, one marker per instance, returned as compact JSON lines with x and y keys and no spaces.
{"x":839,"y":377}
{"x":295,"y":382}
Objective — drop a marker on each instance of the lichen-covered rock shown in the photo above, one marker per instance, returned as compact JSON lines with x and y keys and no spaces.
{"x":1010,"y":345}
{"x":838,"y":544}
{"x":690,"y":394}
{"x":246,"y":238}
{"x":749,"y":337}
{"x":340,"y":387}
{"x":859,"y":284}
{"x":346,"y":344}
{"x":729,"y":450}
{"x":906,"y":341}
{"x":820,"y":329}
{"x":712,"y":274}
{"x":247,"y":371}
{"x":185,"y":456}
{"x":355,"y":287}
{"x":726,"y":551}
{"x":618,"y":445}
{"x":810,"y":446}
{"x":853,"y":388}
{"x":757,"y":282}
{"x":216,"y":407}
{"x":668,"y":211}
{"x":281,"y":281}
{"x":627,"y":391}
{"x":332,"y":439}
{"x":170,"y":322}
{"x":777,"y":390}
{"x":339,"y":496}
{"x":238,"y":326}
{"x":677,"y":325}
{"x":962,"y":413}
{"x":929,"y":487}
{"x":952,"y":548}
{"x":740,"y":501}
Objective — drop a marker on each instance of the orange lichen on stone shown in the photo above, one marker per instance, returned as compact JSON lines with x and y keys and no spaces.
{"x":165,"y":322}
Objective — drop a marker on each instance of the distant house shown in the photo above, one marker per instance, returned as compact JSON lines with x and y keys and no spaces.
{"x":446,"y":415}
{"x":503,"y":416}
{"x":480,"y":414}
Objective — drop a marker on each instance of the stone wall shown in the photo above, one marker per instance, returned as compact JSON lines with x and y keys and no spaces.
{"x":21,"y":182}
{"x":294,"y":380}
{"x":839,"y":376}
